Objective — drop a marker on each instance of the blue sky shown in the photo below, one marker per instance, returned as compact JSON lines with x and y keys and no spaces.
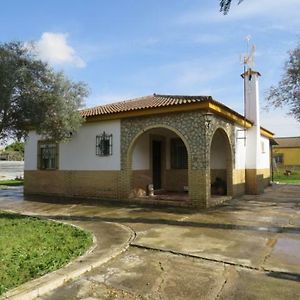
{"x":125,"y":49}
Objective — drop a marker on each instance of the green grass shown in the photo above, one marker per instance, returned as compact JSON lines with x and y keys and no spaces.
{"x":294,"y":178}
{"x":31,"y":247}
{"x":12,"y":182}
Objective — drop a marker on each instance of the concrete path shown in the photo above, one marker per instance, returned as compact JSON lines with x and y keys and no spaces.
{"x":246,"y":249}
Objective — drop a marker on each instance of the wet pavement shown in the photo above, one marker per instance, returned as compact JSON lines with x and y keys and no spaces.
{"x":248,"y":248}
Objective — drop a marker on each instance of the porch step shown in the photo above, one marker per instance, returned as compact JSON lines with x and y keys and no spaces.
{"x":217,"y":200}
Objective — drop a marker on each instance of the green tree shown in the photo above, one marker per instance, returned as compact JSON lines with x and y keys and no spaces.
{"x":287,"y":92}
{"x":16,"y":146}
{"x":225,"y":5}
{"x":33,"y":96}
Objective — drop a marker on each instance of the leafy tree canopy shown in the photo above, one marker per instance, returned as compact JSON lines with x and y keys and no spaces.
{"x":33,"y":96}
{"x":287,"y":92}
{"x":15,"y":146}
{"x":225,"y":5}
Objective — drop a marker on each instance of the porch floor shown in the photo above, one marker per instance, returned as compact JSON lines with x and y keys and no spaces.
{"x":166,"y":198}
{"x":178,"y":199}
{"x":170,"y":196}
{"x":217,"y":200}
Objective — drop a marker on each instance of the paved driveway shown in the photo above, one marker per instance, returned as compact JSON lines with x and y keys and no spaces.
{"x":245,"y":249}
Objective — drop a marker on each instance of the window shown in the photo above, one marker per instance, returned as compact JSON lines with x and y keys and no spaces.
{"x":278,"y":157}
{"x":48,"y":156}
{"x":263,"y":150}
{"x":104,"y":144}
{"x":179,"y":157}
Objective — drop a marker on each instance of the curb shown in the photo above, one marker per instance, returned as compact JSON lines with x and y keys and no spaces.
{"x":88,"y":261}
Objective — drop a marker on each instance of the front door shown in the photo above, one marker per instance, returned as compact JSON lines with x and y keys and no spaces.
{"x":156,"y":163}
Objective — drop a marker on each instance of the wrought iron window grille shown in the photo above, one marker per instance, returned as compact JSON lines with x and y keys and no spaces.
{"x":104,"y":144}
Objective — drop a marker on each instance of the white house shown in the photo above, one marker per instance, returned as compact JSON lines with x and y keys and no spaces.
{"x":193,"y":151}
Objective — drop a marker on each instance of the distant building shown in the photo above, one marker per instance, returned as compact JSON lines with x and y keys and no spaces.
{"x":287,"y":152}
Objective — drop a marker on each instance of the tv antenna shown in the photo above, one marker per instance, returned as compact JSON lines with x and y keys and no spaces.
{"x":247,"y":60}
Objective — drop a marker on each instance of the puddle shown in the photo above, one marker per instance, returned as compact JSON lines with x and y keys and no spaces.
{"x":288,"y":247}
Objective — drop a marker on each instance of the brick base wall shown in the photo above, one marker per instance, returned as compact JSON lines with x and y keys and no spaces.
{"x":98,"y":184}
{"x":257,"y":180}
{"x":141,"y":179}
{"x":238,"y":182}
{"x":172,"y":180}
{"x":175,"y":180}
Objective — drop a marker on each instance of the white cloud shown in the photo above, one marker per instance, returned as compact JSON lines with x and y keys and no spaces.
{"x":54,"y":48}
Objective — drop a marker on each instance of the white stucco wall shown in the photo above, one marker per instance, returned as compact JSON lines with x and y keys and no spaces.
{"x":141,"y":157}
{"x":253,"y":149}
{"x":254,"y":155}
{"x":264,"y":162}
{"x":240,"y":148}
{"x":30,"y":155}
{"x":141,"y":153}
{"x":80,"y":152}
{"x":252,"y":99}
{"x":218,"y":152}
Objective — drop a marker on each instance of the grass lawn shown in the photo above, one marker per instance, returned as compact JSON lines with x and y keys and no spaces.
{"x":294,"y":178}
{"x":12,"y":182}
{"x":31,"y":247}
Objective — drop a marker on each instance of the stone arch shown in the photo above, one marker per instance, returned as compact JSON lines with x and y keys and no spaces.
{"x":196,"y":135}
{"x":216,"y":167}
{"x":140,"y":133}
{"x":150,"y":129}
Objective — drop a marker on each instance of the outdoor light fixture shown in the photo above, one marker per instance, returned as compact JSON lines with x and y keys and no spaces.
{"x":208,"y":116}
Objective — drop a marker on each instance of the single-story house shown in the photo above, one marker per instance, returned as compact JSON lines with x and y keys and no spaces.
{"x":286,"y":153}
{"x":176,"y":150}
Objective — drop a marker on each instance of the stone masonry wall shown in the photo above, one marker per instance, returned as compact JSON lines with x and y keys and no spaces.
{"x":193,"y":130}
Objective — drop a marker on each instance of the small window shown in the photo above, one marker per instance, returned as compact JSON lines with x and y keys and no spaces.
{"x":47,"y":156}
{"x":278,"y":157}
{"x":263,"y":150}
{"x":104,"y":144}
{"x":179,"y":157}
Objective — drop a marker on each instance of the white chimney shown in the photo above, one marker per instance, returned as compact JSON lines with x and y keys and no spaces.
{"x":253,"y":139}
{"x":252,"y":96}
{"x":252,"y":113}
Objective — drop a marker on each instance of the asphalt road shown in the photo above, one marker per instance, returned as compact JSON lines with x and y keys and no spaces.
{"x":11,"y":169}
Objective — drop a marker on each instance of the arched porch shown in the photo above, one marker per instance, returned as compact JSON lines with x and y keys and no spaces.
{"x":221,"y":167}
{"x":158,"y":158}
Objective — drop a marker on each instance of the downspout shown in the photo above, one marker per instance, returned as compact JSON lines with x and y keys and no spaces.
{"x":272,"y":164}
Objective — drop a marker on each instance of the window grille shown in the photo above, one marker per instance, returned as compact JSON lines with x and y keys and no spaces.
{"x":48,"y":156}
{"x":179,"y":157}
{"x":104,"y":144}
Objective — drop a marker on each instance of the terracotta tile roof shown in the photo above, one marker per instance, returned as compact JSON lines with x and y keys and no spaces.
{"x":152,"y":101}
{"x":288,"y":142}
{"x":159,"y":101}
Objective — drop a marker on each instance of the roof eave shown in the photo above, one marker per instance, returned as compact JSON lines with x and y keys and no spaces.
{"x":209,"y":105}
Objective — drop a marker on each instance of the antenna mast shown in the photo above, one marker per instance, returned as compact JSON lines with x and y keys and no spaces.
{"x":248,"y":61}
